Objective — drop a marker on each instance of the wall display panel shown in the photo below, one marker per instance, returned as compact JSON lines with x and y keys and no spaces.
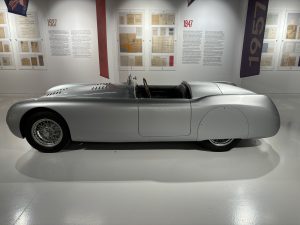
{"x":268,"y":55}
{"x":31,"y":54}
{"x":269,"y":48}
{"x":30,"y":44}
{"x":192,"y":47}
{"x":6,"y":50}
{"x":214,"y":47}
{"x":27,"y":27}
{"x":289,"y":58}
{"x":290,"y":55}
{"x":131,"y":39}
{"x":292,"y":27}
{"x":163,"y":40}
{"x":81,"y":43}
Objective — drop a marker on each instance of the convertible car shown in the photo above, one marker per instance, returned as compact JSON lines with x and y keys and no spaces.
{"x":216,"y":114}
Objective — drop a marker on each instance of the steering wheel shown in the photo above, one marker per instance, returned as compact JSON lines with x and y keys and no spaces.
{"x":147,"y":89}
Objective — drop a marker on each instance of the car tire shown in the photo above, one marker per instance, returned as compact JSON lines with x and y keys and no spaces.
{"x":47,"y":132}
{"x":220,"y":145}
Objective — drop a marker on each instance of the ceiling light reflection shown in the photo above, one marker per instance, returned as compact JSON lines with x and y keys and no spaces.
{"x":245,"y":214}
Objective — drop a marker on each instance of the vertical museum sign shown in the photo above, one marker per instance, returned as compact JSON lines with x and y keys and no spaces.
{"x":102,"y":37}
{"x":254,"y":36}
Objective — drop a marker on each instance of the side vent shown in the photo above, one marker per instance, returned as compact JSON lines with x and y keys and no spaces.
{"x":101,"y":86}
{"x":58,"y":92}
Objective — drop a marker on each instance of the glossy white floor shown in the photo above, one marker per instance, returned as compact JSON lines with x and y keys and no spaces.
{"x":155,"y":184}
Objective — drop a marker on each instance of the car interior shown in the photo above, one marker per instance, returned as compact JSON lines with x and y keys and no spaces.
{"x":161,"y":91}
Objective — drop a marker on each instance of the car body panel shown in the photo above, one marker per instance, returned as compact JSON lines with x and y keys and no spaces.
{"x":164,"y":118}
{"x":203,"y":89}
{"x":233,"y":90}
{"x":94,"y":121}
{"x":239,"y":116}
{"x":112,"y":113}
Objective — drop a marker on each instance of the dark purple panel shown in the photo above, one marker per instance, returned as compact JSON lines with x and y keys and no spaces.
{"x":254,"y":36}
{"x":17,"y":6}
{"x":190,"y":2}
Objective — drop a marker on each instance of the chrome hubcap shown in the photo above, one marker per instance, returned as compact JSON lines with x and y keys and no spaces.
{"x":221,"y":142}
{"x":47,"y":133}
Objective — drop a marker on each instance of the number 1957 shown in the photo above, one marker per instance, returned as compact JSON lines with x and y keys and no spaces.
{"x":257,"y":29}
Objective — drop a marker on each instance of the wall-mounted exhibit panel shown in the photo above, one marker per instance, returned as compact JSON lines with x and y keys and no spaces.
{"x":31,"y":54}
{"x":192,"y":48}
{"x":163,"y":40}
{"x":6,"y":49}
{"x":271,"y":40}
{"x":281,"y":48}
{"x":21,"y":45}
{"x":131,"y":40}
{"x":30,"y":45}
{"x":292,"y":25}
{"x":214,"y":46}
{"x":139,"y":50}
{"x":290,"y":49}
{"x":290,"y":55}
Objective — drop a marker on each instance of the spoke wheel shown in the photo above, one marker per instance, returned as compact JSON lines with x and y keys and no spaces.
{"x":47,"y":132}
{"x":221,"y":142}
{"x":219,"y":145}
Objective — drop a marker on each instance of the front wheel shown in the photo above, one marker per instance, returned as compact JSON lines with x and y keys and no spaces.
{"x":220,"y":145}
{"x":47,"y":132}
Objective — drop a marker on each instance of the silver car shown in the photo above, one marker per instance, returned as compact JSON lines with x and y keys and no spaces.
{"x":216,"y":114}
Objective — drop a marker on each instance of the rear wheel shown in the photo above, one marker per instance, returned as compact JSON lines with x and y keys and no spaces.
{"x":47,"y":132}
{"x":220,"y":145}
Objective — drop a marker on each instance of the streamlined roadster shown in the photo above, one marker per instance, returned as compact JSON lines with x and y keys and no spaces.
{"x":217,"y":114}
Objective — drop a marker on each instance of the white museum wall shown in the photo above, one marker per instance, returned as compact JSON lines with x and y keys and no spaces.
{"x":224,"y":15}
{"x":276,"y":81}
{"x":70,"y":15}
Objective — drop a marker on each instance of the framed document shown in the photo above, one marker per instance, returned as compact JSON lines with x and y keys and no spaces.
{"x":30,"y":43}
{"x":6,"y":47}
{"x":271,"y":40}
{"x":131,"y":39}
{"x":289,"y":57}
{"x":163,"y":40}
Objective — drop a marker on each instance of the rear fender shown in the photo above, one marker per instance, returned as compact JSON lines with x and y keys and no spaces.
{"x":223,"y":123}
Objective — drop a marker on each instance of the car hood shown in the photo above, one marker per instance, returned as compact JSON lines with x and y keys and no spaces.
{"x":106,"y":90}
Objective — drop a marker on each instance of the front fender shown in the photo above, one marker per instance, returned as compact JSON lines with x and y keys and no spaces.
{"x":19,"y":110}
{"x":14,"y":116}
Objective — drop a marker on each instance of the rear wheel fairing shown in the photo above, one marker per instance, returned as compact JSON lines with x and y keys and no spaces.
{"x":222,"y":123}
{"x":258,"y":110}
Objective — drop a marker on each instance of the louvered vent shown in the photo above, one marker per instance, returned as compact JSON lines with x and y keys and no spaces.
{"x":101,"y":86}
{"x":58,"y":92}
